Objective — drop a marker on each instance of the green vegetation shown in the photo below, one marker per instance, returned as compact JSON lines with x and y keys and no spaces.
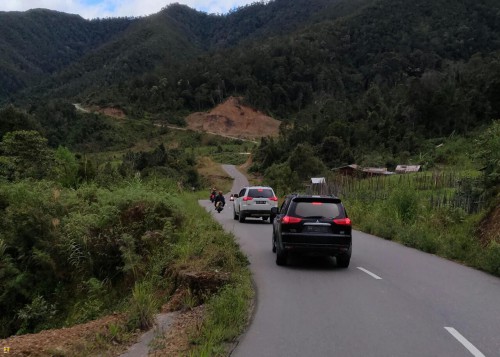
{"x":76,"y":251}
{"x":39,"y":42}
{"x":228,"y":310}
{"x":228,"y":314}
{"x":221,"y":150}
{"x":69,"y":256}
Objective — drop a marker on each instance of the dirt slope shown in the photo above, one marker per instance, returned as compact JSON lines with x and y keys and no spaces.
{"x":234,"y":119}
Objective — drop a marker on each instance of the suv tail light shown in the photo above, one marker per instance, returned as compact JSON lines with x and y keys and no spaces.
{"x":343,"y":221}
{"x":247,"y":198}
{"x":274,"y":198}
{"x":290,"y":220}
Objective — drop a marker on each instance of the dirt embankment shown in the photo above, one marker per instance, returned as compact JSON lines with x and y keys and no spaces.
{"x":234,"y":119}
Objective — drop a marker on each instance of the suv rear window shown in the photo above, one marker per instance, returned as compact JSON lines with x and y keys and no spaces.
{"x":260,"y":193}
{"x":317,"y":209}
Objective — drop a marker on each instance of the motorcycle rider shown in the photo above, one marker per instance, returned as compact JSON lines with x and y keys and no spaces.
{"x":213,"y":194}
{"x":220,"y":198}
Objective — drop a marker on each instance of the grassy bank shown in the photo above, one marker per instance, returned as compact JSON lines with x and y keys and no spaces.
{"x":126,"y":249}
{"x":402,"y":211}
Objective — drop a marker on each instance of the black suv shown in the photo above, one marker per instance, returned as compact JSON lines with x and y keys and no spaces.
{"x":314,"y":224}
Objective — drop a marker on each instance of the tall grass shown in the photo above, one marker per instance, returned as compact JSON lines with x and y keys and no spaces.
{"x":405,"y":214}
{"x":204,"y":246}
{"x":143,"y":306}
{"x":227,"y":316}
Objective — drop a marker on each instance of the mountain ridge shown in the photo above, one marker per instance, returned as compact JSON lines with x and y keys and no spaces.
{"x":176,"y":28}
{"x":391,"y":73}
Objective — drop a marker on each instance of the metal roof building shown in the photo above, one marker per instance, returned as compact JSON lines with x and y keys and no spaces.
{"x":404,"y":169}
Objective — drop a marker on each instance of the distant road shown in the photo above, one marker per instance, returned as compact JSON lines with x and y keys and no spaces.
{"x":80,"y":108}
{"x":391,"y":301}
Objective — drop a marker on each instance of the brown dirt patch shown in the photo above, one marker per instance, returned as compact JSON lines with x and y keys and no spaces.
{"x":177,"y":341}
{"x":234,"y":119}
{"x":63,"y":342}
{"x":116,"y":113}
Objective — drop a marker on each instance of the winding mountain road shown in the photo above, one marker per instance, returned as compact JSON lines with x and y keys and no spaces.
{"x":391,"y":301}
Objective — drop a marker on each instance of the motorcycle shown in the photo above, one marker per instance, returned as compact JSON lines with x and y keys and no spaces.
{"x":219,"y":206}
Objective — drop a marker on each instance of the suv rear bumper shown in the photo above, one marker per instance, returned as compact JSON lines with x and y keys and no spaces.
{"x":326,"y":244}
{"x":256,"y":213}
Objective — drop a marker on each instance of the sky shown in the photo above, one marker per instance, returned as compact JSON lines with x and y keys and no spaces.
{"x":90,"y":9}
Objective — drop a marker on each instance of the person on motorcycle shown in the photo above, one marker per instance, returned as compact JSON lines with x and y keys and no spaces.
{"x":220,"y":198}
{"x":213,"y":194}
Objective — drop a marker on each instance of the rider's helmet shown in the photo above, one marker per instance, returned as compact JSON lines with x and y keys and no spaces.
{"x":220,"y":192}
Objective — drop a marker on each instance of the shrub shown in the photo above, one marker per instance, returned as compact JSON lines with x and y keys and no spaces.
{"x":418,"y":236}
{"x":38,"y":312}
{"x":491,"y":260}
{"x":404,"y":203}
{"x":143,"y":306}
{"x":96,"y":294}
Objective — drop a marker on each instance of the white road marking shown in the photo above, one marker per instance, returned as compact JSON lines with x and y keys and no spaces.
{"x":370,"y":273}
{"x":472,"y":349}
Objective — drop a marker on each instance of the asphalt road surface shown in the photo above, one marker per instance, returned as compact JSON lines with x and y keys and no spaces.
{"x":391,"y":301}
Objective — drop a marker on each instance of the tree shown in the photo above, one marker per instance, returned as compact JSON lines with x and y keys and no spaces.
{"x":489,"y":156}
{"x":28,"y":152}
{"x":12,"y":119}
{"x":282,"y":178}
{"x":331,"y":148}
{"x":66,"y":167}
{"x":303,"y":162}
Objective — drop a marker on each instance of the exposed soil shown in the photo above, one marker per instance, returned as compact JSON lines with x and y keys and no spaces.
{"x":116,"y":113}
{"x":176,"y":340}
{"x":63,"y":342}
{"x":234,"y":119}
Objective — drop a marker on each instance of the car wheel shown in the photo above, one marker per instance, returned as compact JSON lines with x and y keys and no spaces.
{"x":343,"y":261}
{"x":241,"y":217}
{"x":235,"y":216}
{"x":281,"y":257}
{"x":271,"y":218}
{"x":274,"y":244}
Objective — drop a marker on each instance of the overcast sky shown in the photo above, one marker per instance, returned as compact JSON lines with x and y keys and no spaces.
{"x":112,"y":8}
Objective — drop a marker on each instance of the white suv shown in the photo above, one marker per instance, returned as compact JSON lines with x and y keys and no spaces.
{"x":254,"y":201}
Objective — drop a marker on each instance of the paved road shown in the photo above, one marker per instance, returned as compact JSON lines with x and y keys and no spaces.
{"x":391,"y":301}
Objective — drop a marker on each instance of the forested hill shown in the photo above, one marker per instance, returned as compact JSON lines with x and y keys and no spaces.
{"x":36,"y":43}
{"x":423,"y":50}
{"x":86,"y":53}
